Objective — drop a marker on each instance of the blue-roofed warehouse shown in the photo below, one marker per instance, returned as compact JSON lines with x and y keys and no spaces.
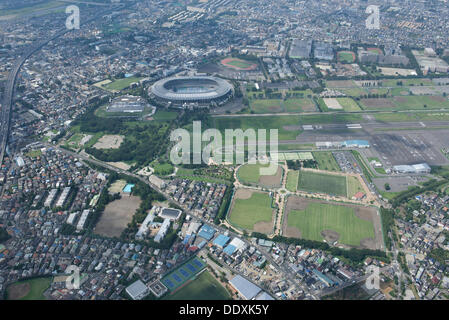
{"x":356,"y":144}
{"x":221,"y":240}
{"x":206,"y":232}
{"x":229,"y":250}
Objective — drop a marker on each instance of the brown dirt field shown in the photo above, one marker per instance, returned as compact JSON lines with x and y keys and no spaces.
{"x":291,"y":232}
{"x":117,"y":215}
{"x":264,"y":227}
{"x":271,"y":181}
{"x":243,"y":194}
{"x":438,"y":99}
{"x":377,"y":103}
{"x":18,"y":291}
{"x":330,"y":235}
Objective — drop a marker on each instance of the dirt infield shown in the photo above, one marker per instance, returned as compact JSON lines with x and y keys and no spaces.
{"x":243,"y":194}
{"x":117,"y":215}
{"x":234,"y":63}
{"x":109,"y":142}
{"x":366,"y":213}
{"x":272,"y":181}
{"x":18,"y":290}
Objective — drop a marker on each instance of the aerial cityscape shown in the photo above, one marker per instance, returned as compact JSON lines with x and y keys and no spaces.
{"x":224,"y":150}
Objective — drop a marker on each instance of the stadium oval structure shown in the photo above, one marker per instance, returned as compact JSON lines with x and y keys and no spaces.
{"x":201,"y":90}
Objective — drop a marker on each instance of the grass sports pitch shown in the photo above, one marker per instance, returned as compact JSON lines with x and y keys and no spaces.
{"x":31,"y":289}
{"x":322,"y":183}
{"x":203,"y":287}
{"x":317,"y":218}
{"x":251,"y":208}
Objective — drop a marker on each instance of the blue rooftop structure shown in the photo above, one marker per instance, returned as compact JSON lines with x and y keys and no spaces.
{"x":128,"y":188}
{"x":356,"y":143}
{"x":229,"y":250}
{"x":206,"y":232}
{"x":221,"y":240}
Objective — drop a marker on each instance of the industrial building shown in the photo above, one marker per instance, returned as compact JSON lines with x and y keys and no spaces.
{"x":127,"y":104}
{"x":421,"y":168}
{"x":301,"y":49}
{"x":245,"y":288}
{"x":138,"y":290}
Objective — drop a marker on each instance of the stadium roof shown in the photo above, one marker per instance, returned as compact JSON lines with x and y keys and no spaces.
{"x":212,"y":88}
{"x":246,"y":288}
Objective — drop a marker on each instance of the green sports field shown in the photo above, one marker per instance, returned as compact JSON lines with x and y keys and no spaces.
{"x":348,"y":104}
{"x":250,"y":174}
{"x":121,"y":84}
{"x":245,"y":213}
{"x":322,"y":183}
{"x":292,"y":180}
{"x":299,"y":105}
{"x":318,"y":217}
{"x":326,"y":161}
{"x":203,"y":287}
{"x":266,"y":105}
{"x":31,"y":289}
{"x":346,"y":56}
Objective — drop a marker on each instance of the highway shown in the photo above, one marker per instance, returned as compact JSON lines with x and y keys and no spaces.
{"x":6,"y":111}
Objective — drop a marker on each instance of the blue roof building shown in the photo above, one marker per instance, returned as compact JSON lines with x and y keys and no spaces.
{"x":245,"y":288}
{"x":229,"y":250}
{"x":221,"y":240}
{"x":206,"y":232}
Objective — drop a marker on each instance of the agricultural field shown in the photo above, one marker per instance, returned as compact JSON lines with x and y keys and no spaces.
{"x":299,"y":105}
{"x":322,"y":183}
{"x":346,"y":56}
{"x":203,"y":287}
{"x":32,"y":289}
{"x":266,"y":106}
{"x":399,"y":103}
{"x":319,"y":220}
{"x":251,"y":210}
{"x":292,"y":180}
{"x":326,"y":161}
{"x":250,"y":174}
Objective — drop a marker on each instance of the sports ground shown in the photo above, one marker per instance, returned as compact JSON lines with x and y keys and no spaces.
{"x":319,"y":220}
{"x":346,"y":56}
{"x":31,"y":289}
{"x":203,"y":287}
{"x":252,"y":210}
{"x":250,"y":174}
{"x":183,"y":273}
{"x":322,"y":183}
{"x":238,"y":64}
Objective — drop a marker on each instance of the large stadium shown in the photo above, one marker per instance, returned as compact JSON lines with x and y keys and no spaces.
{"x":192,"y":91}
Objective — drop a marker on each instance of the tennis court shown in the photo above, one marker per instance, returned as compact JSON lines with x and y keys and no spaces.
{"x":183,"y":273}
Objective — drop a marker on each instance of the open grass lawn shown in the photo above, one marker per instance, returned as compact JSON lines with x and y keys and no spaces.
{"x":266,"y":105}
{"x":204,"y":287}
{"x":161,"y":115}
{"x":299,"y":105}
{"x":353,"y":186}
{"x":32,"y":289}
{"x":404,"y":103}
{"x":318,"y":217}
{"x":348,"y":104}
{"x":247,"y":212}
{"x":322,"y":183}
{"x":121,"y":84}
{"x":292,"y":180}
{"x":326,"y":161}
{"x":354,"y":92}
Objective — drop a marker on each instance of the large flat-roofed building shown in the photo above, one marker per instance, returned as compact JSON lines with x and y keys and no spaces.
{"x":245,"y":288}
{"x":195,"y":90}
{"x":137,"y":291}
{"x":301,"y":49}
{"x":323,"y":51}
{"x":169,"y":213}
{"x":127,"y":104}
{"x":415,"y":168}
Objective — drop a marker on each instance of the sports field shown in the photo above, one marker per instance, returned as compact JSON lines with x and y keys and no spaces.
{"x":238,"y":64}
{"x":183,"y":273}
{"x":326,"y":161}
{"x":399,"y":103}
{"x":346,"y":56}
{"x":324,"y":221}
{"x":299,"y":105}
{"x":250,"y":174}
{"x":120,"y":84}
{"x":348,"y":104}
{"x":32,"y":289}
{"x":252,"y":210}
{"x":203,"y":287}
{"x":353,"y":186}
{"x":322,"y":183}
{"x":292,"y":180}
